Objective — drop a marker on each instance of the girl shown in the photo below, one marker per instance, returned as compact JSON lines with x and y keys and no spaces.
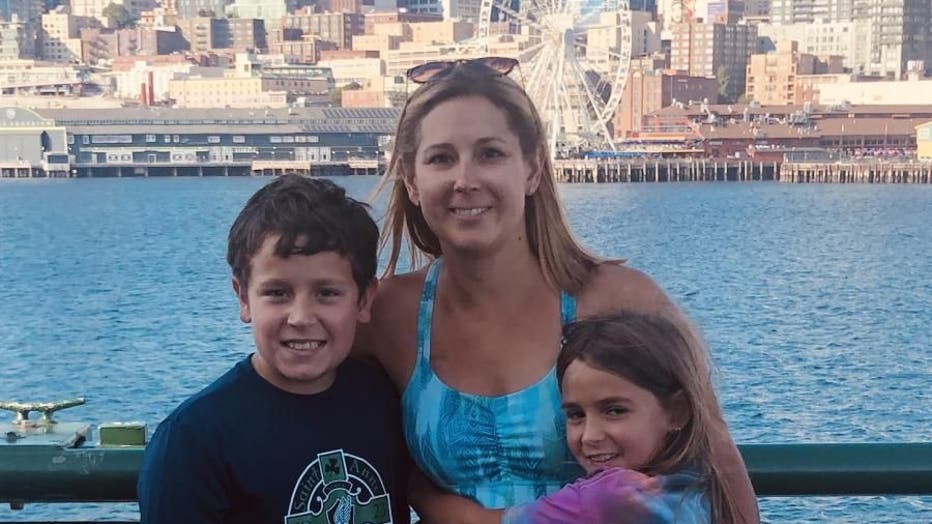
{"x":638,"y":402}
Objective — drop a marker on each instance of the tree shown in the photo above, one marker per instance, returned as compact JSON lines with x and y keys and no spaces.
{"x":119,"y":16}
{"x":724,"y":84}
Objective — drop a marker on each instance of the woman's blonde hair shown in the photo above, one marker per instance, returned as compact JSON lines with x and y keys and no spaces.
{"x":665,"y":355}
{"x":563,"y":261}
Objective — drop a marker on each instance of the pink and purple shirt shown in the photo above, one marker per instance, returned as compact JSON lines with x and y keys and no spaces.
{"x":620,"y":496}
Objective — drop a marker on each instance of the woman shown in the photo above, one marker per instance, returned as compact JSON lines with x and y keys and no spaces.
{"x":471,"y":340}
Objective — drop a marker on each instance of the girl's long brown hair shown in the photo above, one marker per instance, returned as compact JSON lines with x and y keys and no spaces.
{"x":665,"y":356}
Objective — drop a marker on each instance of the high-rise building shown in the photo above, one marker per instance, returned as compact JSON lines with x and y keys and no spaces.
{"x":714,"y":50}
{"x":196,"y":8}
{"x":899,"y":31}
{"x":809,"y":11}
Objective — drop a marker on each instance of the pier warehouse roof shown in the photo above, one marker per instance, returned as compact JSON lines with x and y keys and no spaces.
{"x":244,"y":121}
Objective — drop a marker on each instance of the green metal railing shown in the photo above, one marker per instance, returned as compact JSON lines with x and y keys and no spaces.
{"x":108,"y":474}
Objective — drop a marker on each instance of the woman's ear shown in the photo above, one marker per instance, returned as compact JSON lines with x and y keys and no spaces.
{"x":410,"y":185}
{"x":535,"y":166}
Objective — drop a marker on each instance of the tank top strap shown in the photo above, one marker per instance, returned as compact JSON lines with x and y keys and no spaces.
{"x":425,"y":311}
{"x":567,"y":308}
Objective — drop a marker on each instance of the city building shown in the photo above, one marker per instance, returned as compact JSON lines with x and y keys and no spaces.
{"x":14,"y":40}
{"x":924,"y":141}
{"x":31,"y":145}
{"x":19,"y":27}
{"x":60,"y":35}
{"x":41,"y":78}
{"x":809,"y":87}
{"x":849,"y":40}
{"x":198,"y":8}
{"x":337,"y":28}
{"x":714,"y":50}
{"x":165,"y":142}
{"x":441,"y":32}
{"x":95,"y":8}
{"x":268,"y":10}
{"x":810,"y":11}
{"x":900,"y":31}
{"x":651,"y":87}
{"x":772,"y":77}
{"x":890,"y":92}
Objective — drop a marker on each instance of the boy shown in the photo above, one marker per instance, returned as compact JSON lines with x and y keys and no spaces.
{"x":296,"y":432}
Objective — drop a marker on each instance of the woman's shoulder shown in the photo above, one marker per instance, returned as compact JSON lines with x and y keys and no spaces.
{"x":613,"y":286}
{"x":394,"y":315}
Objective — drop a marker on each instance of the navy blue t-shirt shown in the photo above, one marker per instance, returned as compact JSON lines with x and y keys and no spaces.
{"x":243,"y":450}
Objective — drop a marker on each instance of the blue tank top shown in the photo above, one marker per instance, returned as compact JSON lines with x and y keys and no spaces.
{"x":499,"y":451}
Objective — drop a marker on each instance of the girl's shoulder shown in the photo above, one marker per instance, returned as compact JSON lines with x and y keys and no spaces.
{"x":614,"y":286}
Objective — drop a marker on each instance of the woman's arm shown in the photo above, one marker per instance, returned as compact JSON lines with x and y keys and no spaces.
{"x":436,"y":506}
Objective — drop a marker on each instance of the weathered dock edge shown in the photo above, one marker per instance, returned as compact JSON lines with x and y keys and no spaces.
{"x":101,"y":474}
{"x":737,"y":170}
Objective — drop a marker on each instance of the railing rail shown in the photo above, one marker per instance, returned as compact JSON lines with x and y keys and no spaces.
{"x":109,"y":474}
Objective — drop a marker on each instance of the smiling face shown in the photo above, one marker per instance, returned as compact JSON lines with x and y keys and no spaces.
{"x":611,"y":422}
{"x":303,"y":310}
{"x":470,"y":176}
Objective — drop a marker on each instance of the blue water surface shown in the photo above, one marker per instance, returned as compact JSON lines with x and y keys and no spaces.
{"x":814,"y":299}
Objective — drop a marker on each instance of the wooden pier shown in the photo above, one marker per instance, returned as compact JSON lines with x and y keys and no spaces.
{"x":663,"y":170}
{"x":741,"y":170}
{"x":857,"y":172}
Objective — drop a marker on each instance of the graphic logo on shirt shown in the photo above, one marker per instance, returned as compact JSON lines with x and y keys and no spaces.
{"x":339,"y":488}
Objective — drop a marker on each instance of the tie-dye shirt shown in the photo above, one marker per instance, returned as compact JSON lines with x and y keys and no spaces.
{"x":620,"y":496}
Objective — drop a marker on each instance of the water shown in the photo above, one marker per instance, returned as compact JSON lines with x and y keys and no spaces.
{"x":814,"y":300}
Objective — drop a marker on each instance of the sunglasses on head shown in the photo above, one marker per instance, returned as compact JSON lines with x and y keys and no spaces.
{"x":493,"y":65}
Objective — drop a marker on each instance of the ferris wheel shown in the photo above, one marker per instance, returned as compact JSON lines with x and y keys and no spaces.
{"x":574,"y":61}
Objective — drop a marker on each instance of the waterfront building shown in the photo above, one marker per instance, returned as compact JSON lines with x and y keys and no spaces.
{"x":915,"y":90}
{"x":772,"y":77}
{"x":31,"y":145}
{"x":924,"y":141}
{"x":166,"y":142}
{"x":710,"y":49}
{"x":743,"y":130}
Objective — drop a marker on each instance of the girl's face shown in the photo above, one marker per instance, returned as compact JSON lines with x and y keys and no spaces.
{"x":470,"y":177}
{"x":611,"y":422}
